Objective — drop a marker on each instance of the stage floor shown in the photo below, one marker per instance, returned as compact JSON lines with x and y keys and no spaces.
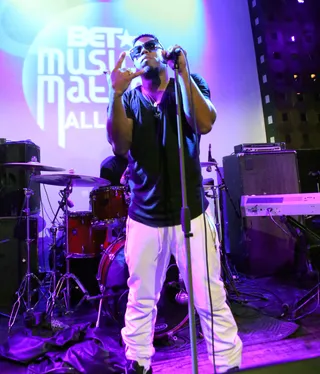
{"x":268,"y":333}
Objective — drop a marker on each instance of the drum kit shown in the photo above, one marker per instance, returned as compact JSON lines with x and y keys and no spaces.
{"x":98,"y":233}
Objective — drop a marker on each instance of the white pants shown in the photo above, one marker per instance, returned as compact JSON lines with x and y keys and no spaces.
{"x":148,"y":251}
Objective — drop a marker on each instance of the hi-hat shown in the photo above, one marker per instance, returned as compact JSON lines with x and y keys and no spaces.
{"x":207,"y":163}
{"x":72,"y":180}
{"x":35,"y":166}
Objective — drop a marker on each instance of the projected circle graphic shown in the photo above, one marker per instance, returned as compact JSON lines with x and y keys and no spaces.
{"x":63,"y":78}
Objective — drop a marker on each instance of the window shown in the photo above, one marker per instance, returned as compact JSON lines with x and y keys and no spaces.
{"x":296,"y":77}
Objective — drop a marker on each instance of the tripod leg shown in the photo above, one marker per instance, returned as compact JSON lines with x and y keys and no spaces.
{"x":55,"y":294}
{"x":52,"y":287}
{"x":102,"y":289}
{"x":40,"y":284}
{"x":99,"y":313}
{"x":82,"y":288}
{"x":17,"y":304}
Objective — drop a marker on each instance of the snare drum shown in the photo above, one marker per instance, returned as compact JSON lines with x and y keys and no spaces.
{"x":109,"y":204}
{"x":85,"y":241}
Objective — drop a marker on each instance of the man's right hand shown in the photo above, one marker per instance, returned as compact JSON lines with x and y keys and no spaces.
{"x":120,"y":78}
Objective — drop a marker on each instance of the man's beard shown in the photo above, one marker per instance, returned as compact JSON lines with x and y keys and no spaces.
{"x":151,"y":73}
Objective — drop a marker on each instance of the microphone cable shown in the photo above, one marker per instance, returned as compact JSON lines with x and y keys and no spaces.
{"x":203,"y":214}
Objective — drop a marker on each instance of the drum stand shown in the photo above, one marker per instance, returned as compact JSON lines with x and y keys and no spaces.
{"x":68,"y":275}
{"x":25,"y":286}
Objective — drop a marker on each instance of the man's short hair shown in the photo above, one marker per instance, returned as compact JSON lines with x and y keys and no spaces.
{"x":144,"y":36}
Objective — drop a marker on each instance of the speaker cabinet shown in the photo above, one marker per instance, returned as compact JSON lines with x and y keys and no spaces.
{"x":14,"y":180}
{"x":257,"y":245}
{"x":13,"y":256}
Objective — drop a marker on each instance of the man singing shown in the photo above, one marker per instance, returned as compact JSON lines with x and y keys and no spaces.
{"x":142,"y":122}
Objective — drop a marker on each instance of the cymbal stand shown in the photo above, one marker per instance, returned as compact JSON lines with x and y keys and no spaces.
{"x":65,"y":279}
{"x":53,"y":231}
{"x":53,"y":247}
{"x":25,"y":286}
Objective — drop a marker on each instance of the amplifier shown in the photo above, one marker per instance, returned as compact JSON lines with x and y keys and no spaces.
{"x":14,"y":180}
{"x":259,"y":147}
{"x":13,"y":254}
{"x":258,"y":247}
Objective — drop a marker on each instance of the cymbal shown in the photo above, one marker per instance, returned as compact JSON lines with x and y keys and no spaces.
{"x":207,"y":163}
{"x":74,"y":180}
{"x":31,"y":166}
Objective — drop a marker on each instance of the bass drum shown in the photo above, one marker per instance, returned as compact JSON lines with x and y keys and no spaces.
{"x":112,"y":277}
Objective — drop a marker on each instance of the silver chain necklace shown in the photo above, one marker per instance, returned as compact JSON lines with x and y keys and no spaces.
{"x":153,"y":103}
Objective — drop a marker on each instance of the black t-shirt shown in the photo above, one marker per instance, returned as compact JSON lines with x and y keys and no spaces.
{"x":112,"y":169}
{"x":154,"y":167}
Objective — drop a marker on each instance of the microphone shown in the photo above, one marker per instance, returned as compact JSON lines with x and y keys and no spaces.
{"x":174,"y":54}
{"x":209,"y":153}
{"x":209,"y":168}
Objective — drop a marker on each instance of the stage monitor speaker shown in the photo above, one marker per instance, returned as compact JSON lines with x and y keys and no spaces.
{"x":258,"y":247}
{"x":13,"y":255}
{"x":14,"y":180}
{"x":309,"y":366}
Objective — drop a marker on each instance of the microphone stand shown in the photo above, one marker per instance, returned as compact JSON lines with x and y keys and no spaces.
{"x":186,"y":222}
